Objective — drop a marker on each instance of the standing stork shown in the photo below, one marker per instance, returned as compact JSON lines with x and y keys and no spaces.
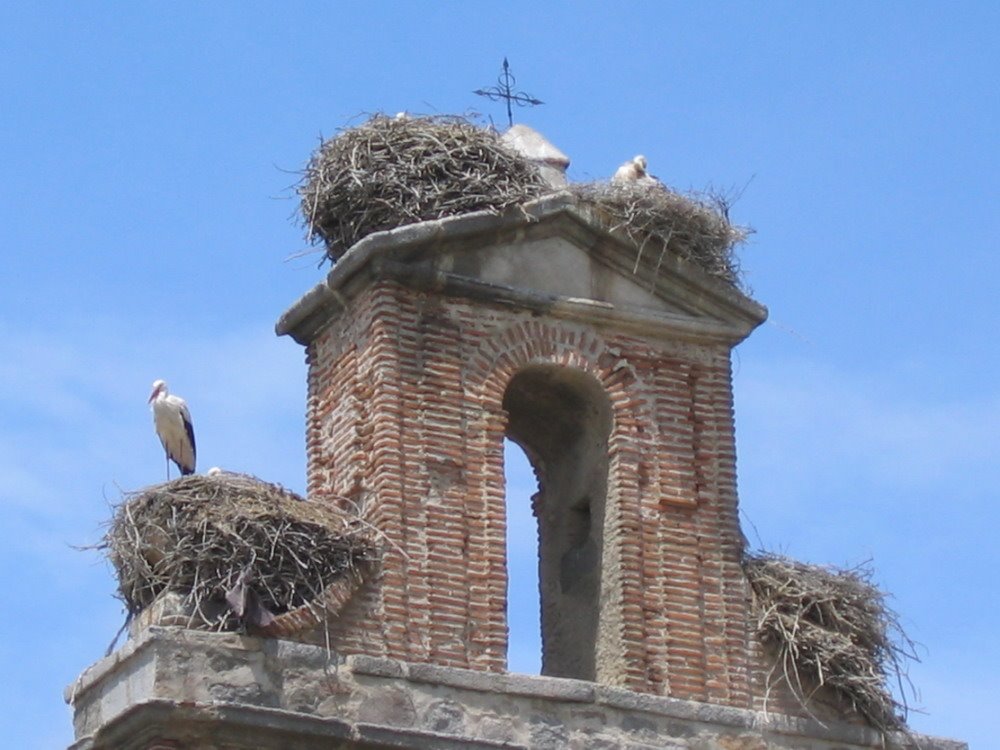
{"x":172,"y":421}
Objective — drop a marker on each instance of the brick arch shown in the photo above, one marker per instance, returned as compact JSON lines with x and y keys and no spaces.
{"x":489,"y":372}
{"x":531,"y":342}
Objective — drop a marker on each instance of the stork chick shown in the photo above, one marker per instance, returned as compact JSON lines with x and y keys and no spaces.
{"x":633,"y":170}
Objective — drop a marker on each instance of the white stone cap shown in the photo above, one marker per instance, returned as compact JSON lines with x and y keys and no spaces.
{"x":532,"y":145}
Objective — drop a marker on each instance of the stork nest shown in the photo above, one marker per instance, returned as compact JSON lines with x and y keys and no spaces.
{"x":392,"y":171}
{"x":206,"y":537}
{"x":695,"y":226}
{"x":832,"y":629}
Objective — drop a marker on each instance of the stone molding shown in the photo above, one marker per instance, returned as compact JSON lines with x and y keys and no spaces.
{"x":383,"y":253}
{"x":175,"y":688}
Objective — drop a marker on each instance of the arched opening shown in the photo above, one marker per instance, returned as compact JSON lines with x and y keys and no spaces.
{"x":561,"y":418}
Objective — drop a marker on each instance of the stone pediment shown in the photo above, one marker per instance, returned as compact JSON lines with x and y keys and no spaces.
{"x":553,"y":255}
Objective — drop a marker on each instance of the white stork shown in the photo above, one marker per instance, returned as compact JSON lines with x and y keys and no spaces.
{"x":631,"y":171}
{"x":173,"y":426}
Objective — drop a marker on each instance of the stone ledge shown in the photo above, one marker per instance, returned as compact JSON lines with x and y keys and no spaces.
{"x":205,"y":727}
{"x":561,"y":213}
{"x":211,"y":685}
{"x":376,"y":666}
{"x":509,"y":684}
{"x":134,"y":646}
{"x":258,"y":728}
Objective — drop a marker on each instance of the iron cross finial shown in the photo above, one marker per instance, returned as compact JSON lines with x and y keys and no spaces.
{"x":505,"y":90}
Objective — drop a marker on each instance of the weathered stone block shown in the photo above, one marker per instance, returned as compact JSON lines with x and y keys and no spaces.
{"x":250,"y":693}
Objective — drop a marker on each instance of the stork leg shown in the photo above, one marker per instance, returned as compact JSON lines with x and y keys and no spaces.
{"x":167,"y":456}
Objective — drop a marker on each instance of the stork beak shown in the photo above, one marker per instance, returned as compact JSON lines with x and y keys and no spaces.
{"x":153,"y":395}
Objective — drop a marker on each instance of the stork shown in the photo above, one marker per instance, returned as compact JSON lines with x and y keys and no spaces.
{"x":631,"y":171}
{"x":172,"y":421}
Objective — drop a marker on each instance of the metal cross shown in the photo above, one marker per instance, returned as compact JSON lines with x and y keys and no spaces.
{"x":505,"y":90}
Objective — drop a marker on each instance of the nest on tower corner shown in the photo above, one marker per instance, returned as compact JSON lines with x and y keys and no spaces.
{"x":831,"y":630}
{"x":694,"y":226}
{"x":392,"y":171}
{"x":238,"y":551}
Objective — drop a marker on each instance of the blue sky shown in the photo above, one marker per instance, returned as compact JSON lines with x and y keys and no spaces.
{"x":146,"y":158}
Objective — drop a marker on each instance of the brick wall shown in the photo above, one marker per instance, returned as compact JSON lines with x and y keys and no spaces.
{"x":406,"y":421}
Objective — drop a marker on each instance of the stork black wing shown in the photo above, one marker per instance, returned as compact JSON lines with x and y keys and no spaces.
{"x":189,"y":428}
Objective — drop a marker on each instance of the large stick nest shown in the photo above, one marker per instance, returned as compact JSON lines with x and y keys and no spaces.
{"x":392,"y":171}
{"x":832,"y":629}
{"x":204,"y":537}
{"x":695,"y":227}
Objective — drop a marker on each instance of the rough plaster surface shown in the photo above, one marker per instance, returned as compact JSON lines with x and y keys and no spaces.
{"x":172,"y":688}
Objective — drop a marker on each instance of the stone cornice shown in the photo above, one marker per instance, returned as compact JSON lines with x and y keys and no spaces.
{"x":144,"y":692}
{"x":718,"y":309}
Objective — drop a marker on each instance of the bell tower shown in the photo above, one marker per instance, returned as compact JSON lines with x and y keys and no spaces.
{"x":428,"y":344}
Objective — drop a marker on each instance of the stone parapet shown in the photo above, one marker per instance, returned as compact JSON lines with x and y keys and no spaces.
{"x":173,"y":688}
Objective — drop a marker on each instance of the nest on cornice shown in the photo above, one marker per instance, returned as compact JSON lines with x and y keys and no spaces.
{"x":831,"y":629}
{"x":659,"y":220}
{"x":238,"y":550}
{"x":392,"y":171}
